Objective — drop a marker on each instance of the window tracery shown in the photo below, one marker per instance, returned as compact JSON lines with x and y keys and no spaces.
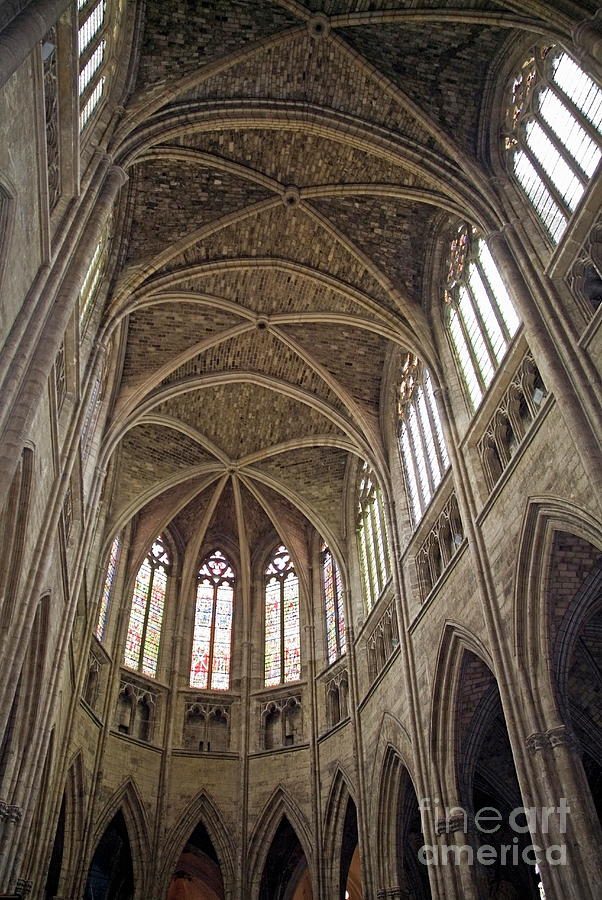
{"x":282,"y":624}
{"x":146,"y":616}
{"x":480,"y":317}
{"x":422,"y":446}
{"x":105,"y":600}
{"x":371,"y":537}
{"x":334,"y":609}
{"x":553,"y":140}
{"x":212,"y":638}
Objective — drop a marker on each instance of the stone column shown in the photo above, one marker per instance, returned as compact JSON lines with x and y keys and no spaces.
{"x":36,"y":377}
{"x":25,"y":31}
{"x":587,"y":36}
{"x":566,"y":826}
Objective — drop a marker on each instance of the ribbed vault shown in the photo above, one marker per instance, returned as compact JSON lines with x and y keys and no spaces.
{"x":288,"y":166}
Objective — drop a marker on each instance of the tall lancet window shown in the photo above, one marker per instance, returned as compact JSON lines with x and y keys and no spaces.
{"x":553,"y":134}
{"x":282,"y":625}
{"x":146,"y":616}
{"x":212,"y":639}
{"x":371,"y":537}
{"x":105,"y":600}
{"x":92,"y":49}
{"x":421,"y":442}
{"x":334,"y":609}
{"x":480,"y":317}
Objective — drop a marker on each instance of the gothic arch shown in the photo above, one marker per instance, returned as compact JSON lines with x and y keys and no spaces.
{"x":128,"y":801}
{"x":455,"y":641}
{"x":279,"y":806}
{"x":334,"y":819}
{"x":201,"y":809}
{"x":543,"y":518}
{"x":74,"y":793}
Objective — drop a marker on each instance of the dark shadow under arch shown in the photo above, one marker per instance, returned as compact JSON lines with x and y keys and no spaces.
{"x":285,"y":874}
{"x":111,"y":872}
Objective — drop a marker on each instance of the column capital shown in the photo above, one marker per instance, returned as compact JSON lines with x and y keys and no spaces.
{"x":559,"y":736}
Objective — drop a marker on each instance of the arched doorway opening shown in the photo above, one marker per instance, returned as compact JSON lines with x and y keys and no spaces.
{"x":351,"y":874}
{"x":286,"y":873}
{"x":575,"y":614}
{"x":487,"y":780}
{"x":198,"y":874}
{"x":111,"y":873}
{"x":412,"y":874}
{"x":51,"y":888}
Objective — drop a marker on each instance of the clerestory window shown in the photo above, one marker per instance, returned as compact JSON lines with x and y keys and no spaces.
{"x":282,"y":624}
{"x":371,"y":537}
{"x":334,"y":610}
{"x":480,"y":318}
{"x":146,"y":616}
{"x":212,"y":638}
{"x":421,"y":441}
{"x":553,"y":134}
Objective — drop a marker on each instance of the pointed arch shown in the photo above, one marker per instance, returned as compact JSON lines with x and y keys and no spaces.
{"x":201,"y":809}
{"x":127,"y":800}
{"x":279,"y":806}
{"x":544,"y":516}
{"x":74,"y":793}
{"x":341,"y":793}
{"x":455,"y":641}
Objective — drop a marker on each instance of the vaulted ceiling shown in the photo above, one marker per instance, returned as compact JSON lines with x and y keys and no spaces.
{"x":289,"y":165}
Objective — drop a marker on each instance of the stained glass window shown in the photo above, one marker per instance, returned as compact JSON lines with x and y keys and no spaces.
{"x":480,"y":317}
{"x":421,"y":441}
{"x":553,"y":134}
{"x":371,"y":537}
{"x":105,"y":600}
{"x":92,"y":48}
{"x":146,"y":616}
{"x":212,"y":638}
{"x":282,"y":625}
{"x":334,"y":609}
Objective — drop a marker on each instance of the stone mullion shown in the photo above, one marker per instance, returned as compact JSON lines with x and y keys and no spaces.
{"x":562,"y":150}
{"x":425,"y":430}
{"x":471,"y":351}
{"x":545,"y":179}
{"x":376,"y":545}
{"x":431,"y":413}
{"x":414,"y":461}
{"x":482,"y":327}
{"x":495,"y":306}
{"x":363,"y":560}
